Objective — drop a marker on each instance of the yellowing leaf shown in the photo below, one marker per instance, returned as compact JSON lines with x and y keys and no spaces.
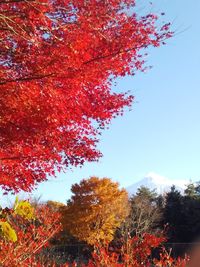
{"x":24,"y":209}
{"x":8,"y":232}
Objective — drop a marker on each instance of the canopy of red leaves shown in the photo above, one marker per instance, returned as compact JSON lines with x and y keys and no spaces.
{"x":57,"y":62}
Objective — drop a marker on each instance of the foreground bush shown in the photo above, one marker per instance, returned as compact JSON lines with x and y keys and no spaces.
{"x":136,"y":252}
{"x":25,"y":231}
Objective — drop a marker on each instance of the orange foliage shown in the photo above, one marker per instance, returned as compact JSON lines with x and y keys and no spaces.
{"x":95,"y":210}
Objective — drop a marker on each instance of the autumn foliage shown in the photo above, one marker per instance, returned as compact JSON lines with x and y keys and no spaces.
{"x":25,"y":231}
{"x":57,"y":62}
{"x":137,"y":252}
{"x":97,"y":207}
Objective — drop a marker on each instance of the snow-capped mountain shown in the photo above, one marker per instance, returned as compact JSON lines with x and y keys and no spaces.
{"x":159,"y":183}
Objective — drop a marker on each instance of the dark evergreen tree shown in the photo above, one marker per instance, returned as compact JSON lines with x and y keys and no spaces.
{"x":172,"y":216}
{"x":182,"y":214}
{"x":146,"y":193}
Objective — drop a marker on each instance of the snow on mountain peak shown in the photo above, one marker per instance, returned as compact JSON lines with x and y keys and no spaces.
{"x":160,"y":183}
{"x":156,"y":178}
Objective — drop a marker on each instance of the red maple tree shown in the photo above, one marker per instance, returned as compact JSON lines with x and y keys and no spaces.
{"x":57,"y":62}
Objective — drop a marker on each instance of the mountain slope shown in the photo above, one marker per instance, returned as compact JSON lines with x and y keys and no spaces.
{"x":159,"y":183}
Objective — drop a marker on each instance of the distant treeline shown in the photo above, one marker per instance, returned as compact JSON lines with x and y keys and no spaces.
{"x":174,"y":215}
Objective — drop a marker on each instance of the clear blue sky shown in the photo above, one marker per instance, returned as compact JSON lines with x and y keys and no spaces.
{"x":162,"y":132}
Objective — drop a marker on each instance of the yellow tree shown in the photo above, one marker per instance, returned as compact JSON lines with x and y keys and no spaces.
{"x":97,"y":207}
